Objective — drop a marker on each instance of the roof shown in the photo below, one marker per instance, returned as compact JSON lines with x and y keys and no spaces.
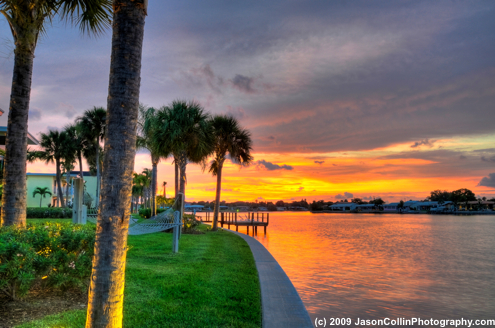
{"x":72,"y":174}
{"x":85,"y":173}
{"x":3,"y":133}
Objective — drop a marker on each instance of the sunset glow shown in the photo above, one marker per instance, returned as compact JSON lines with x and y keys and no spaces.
{"x":364,"y":99}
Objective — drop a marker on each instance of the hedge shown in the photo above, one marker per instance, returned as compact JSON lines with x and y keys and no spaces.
{"x":57,"y":255}
{"x":48,"y":213}
{"x":146,"y":212}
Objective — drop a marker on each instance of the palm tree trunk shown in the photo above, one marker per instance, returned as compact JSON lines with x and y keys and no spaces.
{"x":56,"y":193}
{"x":98,"y":173}
{"x":176,"y":160}
{"x":106,"y":292}
{"x":14,"y":181}
{"x":183,"y":164}
{"x":40,"y":199}
{"x":154,"y":183}
{"x":217,"y":198}
{"x":59,"y":184}
{"x":80,"y":166}
{"x":67,"y":179}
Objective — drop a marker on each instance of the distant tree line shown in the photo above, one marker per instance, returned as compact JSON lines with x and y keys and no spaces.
{"x":457,"y":196}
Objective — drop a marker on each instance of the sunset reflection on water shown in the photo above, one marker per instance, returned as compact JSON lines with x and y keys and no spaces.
{"x":377,"y":266}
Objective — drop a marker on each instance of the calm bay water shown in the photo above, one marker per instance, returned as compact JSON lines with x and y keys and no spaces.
{"x":376,"y":266}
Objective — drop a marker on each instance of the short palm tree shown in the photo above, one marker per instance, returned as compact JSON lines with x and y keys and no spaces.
{"x":77,"y":145}
{"x":147,"y":125}
{"x":230,"y":139}
{"x":92,"y":127}
{"x":185,"y":131}
{"x":146,"y":178}
{"x":27,"y":20}
{"x":54,"y":146}
{"x":42,"y":192}
{"x":137,"y":188}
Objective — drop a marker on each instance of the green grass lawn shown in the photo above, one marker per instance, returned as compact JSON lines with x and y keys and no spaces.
{"x":211,"y":282}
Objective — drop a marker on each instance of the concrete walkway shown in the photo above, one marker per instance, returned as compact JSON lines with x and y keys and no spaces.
{"x":280,"y":302}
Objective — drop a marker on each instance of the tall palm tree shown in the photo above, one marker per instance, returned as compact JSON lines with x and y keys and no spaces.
{"x":54,"y":146}
{"x":164,"y":189}
{"x":42,"y":192}
{"x":27,"y":19}
{"x":146,"y":128}
{"x":185,"y":131}
{"x":230,"y":139}
{"x":106,"y":291}
{"x":92,"y":126}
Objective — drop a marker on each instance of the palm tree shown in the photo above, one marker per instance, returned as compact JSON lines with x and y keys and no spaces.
{"x":92,"y":126}
{"x":185,"y":131}
{"x":27,"y":20}
{"x":42,"y":192}
{"x":146,"y":128}
{"x":78,"y":143}
{"x":232,"y":139}
{"x":137,"y":188}
{"x":146,"y":178}
{"x":54,"y":146}
{"x":106,"y":291}
{"x":164,"y":189}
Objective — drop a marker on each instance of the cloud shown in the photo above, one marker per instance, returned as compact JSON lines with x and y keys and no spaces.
{"x":68,"y":110}
{"x":489,"y":160}
{"x":214,"y":189}
{"x":488,"y":181}
{"x":260,"y":198}
{"x":34,"y":114}
{"x":345,"y":196}
{"x":319,"y":162}
{"x":237,"y":112}
{"x":243,"y":83}
{"x":426,"y":142}
{"x":300,"y":189}
{"x":462,"y":157}
{"x":272,"y":167}
{"x":53,"y":128}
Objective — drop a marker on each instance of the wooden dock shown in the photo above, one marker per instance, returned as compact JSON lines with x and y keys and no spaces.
{"x":237,"y":219}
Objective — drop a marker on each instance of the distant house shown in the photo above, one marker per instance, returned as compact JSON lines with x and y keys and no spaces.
{"x":392,"y":207}
{"x":366,"y":207}
{"x":242,"y":208}
{"x":343,"y":207}
{"x":193,"y":208}
{"x":31,"y":140}
{"x":47,"y":180}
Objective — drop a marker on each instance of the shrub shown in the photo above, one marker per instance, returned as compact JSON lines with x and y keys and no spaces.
{"x":146,"y":212}
{"x":57,"y":255}
{"x":48,"y":213}
{"x":190,"y":223}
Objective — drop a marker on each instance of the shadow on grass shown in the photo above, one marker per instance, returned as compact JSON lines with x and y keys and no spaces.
{"x":211,"y":282}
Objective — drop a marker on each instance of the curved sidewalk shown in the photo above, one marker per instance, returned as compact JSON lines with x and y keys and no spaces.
{"x":280,"y":302}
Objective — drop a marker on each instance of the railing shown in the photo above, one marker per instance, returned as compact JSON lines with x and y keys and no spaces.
{"x":92,"y":213}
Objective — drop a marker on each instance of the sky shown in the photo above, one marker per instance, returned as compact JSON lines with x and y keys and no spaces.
{"x":343,"y":99}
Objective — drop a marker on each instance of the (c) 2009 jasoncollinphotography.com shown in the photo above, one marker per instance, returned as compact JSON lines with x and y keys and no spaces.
{"x":324,"y":322}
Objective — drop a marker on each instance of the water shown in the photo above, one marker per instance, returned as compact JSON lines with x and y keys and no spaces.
{"x":376,"y":266}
